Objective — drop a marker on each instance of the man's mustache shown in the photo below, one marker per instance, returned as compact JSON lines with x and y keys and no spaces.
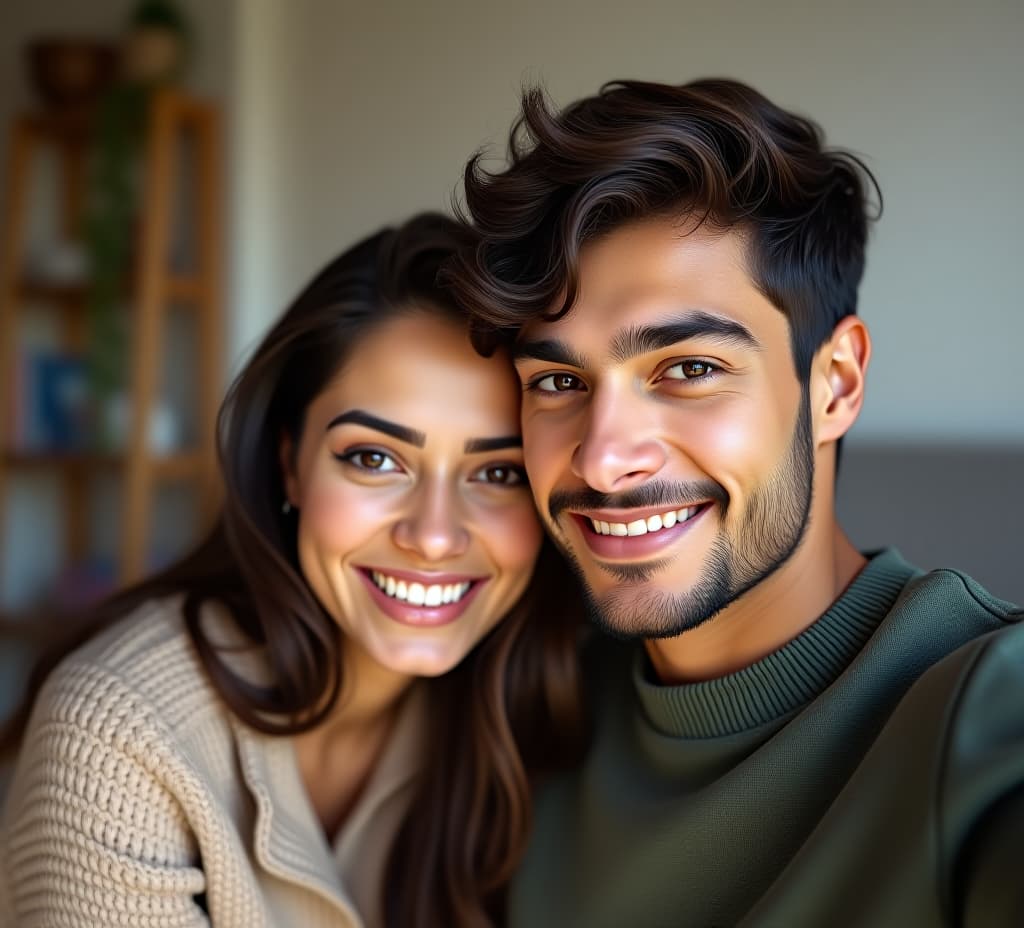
{"x":657,"y":493}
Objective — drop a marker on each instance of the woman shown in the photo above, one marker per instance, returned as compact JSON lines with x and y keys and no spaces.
{"x":330,"y":713}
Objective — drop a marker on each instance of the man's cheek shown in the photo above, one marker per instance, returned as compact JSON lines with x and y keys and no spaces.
{"x":541,"y":457}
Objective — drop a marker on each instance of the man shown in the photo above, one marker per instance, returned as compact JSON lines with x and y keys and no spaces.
{"x":787,"y":732}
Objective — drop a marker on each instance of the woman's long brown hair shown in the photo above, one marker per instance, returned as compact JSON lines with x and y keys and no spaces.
{"x":507,"y":714}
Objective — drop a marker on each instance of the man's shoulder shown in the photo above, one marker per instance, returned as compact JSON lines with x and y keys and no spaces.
{"x":954,"y":591}
{"x":967,"y":701}
{"x":982,"y":680}
{"x":942,"y":612}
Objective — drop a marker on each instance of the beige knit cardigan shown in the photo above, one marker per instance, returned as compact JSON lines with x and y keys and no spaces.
{"x":139,"y":799}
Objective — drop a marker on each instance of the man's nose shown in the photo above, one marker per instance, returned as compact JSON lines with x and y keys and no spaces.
{"x":433,"y":527}
{"x":620,"y":447}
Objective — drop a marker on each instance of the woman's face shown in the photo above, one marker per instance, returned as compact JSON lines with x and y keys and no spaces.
{"x":416,"y":528}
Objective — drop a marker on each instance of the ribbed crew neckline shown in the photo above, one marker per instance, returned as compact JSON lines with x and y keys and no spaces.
{"x":786,"y":679}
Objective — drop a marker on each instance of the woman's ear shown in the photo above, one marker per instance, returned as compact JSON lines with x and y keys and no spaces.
{"x":287,"y":453}
{"x":837,"y":379}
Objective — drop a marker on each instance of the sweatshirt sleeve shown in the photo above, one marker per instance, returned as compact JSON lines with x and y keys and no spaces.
{"x":92,"y":835}
{"x":994,"y":896}
{"x":983,"y":796}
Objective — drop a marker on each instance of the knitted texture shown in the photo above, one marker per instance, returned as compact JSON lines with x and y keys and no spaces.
{"x":129,"y":804}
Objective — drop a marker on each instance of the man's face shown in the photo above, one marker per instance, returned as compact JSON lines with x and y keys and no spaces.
{"x":667,"y":438}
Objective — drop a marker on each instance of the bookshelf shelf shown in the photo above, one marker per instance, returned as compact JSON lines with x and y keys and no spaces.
{"x":177,"y":466}
{"x":184,"y":289}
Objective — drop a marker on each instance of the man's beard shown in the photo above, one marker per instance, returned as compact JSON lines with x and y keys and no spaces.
{"x":773,"y":526}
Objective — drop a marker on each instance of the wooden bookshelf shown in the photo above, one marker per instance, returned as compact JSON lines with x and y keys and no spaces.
{"x":178,"y":126}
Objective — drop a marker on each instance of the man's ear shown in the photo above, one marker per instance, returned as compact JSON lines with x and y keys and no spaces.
{"x":286,"y":456}
{"x":837,"y":379}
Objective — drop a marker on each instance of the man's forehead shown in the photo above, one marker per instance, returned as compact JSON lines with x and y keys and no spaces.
{"x":652,"y":269}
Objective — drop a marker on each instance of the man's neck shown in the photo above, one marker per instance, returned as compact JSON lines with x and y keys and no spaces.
{"x":764,"y":618}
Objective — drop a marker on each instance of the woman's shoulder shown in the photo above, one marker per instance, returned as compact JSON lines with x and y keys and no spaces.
{"x":142,"y":667}
{"x":111,"y":778}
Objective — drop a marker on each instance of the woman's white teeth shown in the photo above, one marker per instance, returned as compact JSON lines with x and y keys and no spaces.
{"x":644,"y":526}
{"x":419,"y":594}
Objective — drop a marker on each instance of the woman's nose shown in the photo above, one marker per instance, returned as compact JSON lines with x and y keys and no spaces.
{"x":433,"y":528}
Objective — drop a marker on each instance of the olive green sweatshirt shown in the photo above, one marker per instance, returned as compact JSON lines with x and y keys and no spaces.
{"x":870,"y":773}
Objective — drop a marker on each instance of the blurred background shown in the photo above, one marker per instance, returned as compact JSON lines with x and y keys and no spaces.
{"x":175,"y":171}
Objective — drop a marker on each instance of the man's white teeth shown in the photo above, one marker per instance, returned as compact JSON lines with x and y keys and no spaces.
{"x":418,"y":594}
{"x":644,"y":526}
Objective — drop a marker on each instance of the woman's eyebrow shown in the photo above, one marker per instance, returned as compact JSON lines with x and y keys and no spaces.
{"x":473,"y":445}
{"x":361,"y":417}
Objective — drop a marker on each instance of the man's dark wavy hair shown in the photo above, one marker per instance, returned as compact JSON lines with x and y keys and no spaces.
{"x":715,"y":151}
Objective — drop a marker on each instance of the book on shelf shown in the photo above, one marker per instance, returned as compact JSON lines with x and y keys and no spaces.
{"x":51,"y":409}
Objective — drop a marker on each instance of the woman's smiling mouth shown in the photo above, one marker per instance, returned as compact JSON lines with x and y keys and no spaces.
{"x":419,"y":594}
{"x":420,"y":599}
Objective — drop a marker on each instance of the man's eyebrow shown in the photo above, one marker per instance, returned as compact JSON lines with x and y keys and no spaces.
{"x":547,"y":349}
{"x":401,"y":432}
{"x":475,"y":445}
{"x":641,"y":339}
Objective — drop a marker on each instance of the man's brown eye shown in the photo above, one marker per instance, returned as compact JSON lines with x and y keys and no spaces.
{"x":557,"y":383}
{"x":689,"y":370}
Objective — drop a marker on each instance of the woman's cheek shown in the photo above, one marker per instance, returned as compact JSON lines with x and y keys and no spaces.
{"x":340,"y":515}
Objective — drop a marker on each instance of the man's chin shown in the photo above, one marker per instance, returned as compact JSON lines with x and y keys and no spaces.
{"x":634,"y":613}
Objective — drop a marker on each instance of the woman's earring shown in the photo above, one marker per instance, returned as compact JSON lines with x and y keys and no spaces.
{"x":286,"y":507}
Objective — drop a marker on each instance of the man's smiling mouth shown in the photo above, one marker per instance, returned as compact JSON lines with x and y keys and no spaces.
{"x":653,"y":523}
{"x":640,"y":534}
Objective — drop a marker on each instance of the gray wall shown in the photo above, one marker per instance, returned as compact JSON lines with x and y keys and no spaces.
{"x":942,"y":506}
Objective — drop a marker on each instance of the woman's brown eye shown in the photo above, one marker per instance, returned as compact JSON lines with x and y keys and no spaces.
{"x":502,"y":475}
{"x":370,"y":460}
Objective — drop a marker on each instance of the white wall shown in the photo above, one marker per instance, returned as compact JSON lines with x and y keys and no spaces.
{"x":258,"y":179}
{"x":368,"y":111}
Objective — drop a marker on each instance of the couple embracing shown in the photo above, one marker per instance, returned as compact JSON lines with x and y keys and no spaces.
{"x":372,"y":696}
